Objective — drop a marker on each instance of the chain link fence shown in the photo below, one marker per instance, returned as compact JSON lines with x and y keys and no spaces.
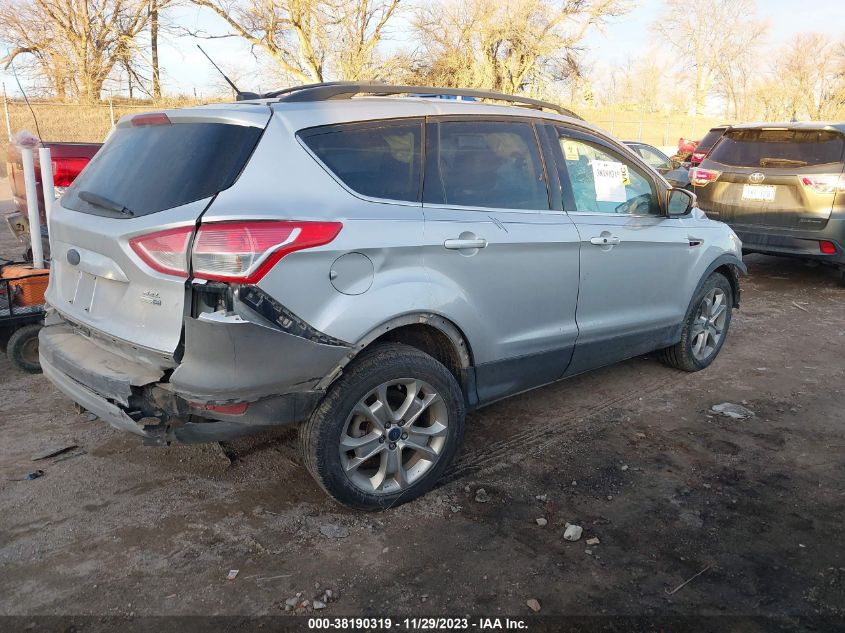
{"x":90,"y":123}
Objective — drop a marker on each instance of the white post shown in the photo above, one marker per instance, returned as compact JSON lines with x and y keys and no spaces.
{"x":46,"y":162}
{"x":32,"y":207}
{"x":6,"y":109}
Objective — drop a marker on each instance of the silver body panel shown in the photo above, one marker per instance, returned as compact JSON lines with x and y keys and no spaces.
{"x":111,"y":289}
{"x":538,"y":289}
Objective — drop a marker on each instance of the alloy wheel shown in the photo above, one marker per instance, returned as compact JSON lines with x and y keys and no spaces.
{"x":708,"y":328}
{"x":394,"y":435}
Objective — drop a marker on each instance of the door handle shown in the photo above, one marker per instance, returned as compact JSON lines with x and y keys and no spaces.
{"x":605,"y":241}
{"x":460,"y":244}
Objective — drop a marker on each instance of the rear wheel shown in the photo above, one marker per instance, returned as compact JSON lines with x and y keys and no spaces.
{"x":22,"y":348}
{"x":705,"y":328}
{"x":386,"y":430}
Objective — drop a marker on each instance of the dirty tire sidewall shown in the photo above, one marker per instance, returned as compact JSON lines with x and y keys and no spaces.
{"x":320,"y":434}
{"x":19,"y":343}
{"x":680,"y":355}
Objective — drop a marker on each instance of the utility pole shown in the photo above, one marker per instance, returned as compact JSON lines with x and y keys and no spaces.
{"x":6,"y":109}
{"x":154,"y":48}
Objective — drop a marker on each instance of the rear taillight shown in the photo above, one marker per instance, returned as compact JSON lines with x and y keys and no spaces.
{"x":827,"y":248}
{"x":699,"y":176}
{"x":65,"y":170}
{"x":825,"y":183}
{"x":238,"y":252}
{"x":243,"y":252}
{"x":165,"y":251}
{"x":697,"y":157}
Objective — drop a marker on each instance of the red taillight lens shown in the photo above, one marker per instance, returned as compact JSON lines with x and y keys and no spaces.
{"x":165,"y":251}
{"x":153,"y":118}
{"x":697,"y":157}
{"x":827,"y":248}
{"x":243,"y":252}
{"x":700,"y":177}
{"x":825,"y":183}
{"x":238,"y":408}
{"x":65,"y":170}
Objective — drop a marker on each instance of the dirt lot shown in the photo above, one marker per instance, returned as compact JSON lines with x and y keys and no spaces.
{"x":629,"y":452}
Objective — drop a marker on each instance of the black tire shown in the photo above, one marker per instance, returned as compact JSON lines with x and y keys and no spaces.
{"x":320,"y":436}
{"x":681,"y":356}
{"x":22,"y":348}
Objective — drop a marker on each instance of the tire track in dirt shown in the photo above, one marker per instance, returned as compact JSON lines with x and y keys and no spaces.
{"x":535,"y":435}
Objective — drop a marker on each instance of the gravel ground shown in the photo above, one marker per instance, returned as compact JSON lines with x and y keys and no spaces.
{"x":630,"y":453}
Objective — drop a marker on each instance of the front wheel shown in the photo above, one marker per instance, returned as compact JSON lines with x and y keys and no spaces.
{"x":386,"y":430}
{"x":705,"y":328}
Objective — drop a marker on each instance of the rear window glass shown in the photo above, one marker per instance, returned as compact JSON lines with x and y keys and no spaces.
{"x":487,"y":164}
{"x":779,"y":148}
{"x":149,"y":169}
{"x":709,"y":139}
{"x":381,"y":160}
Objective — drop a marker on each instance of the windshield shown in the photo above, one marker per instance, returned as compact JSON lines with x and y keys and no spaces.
{"x":709,"y":139}
{"x":779,"y":148}
{"x":147,"y":169}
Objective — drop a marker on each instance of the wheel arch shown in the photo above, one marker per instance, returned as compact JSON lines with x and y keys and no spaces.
{"x":430,"y":333}
{"x":731,"y":267}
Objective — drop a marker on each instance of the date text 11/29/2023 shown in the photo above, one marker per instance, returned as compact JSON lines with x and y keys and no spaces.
{"x":416,"y":624}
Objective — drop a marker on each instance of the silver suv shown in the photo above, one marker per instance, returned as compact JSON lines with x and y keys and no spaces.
{"x":370,"y":267}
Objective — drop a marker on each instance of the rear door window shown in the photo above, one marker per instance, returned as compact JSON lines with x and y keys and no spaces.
{"x":151,"y":168}
{"x":779,"y":148}
{"x":653,"y":157}
{"x":492,"y":164}
{"x":380,"y":159}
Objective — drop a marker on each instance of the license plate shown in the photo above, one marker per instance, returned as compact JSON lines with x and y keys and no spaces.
{"x":759,"y":193}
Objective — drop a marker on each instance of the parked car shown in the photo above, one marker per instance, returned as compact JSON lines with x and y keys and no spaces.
{"x":677,"y":173}
{"x":371,"y":268}
{"x":707,"y":143}
{"x":68,"y":161}
{"x":781,"y":187}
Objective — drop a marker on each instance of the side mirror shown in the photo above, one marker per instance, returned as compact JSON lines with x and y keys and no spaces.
{"x":679,"y":202}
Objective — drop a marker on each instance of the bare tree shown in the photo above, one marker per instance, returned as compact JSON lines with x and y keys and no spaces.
{"x":517,"y":46}
{"x":361,"y":27}
{"x":310,"y":39}
{"x":729,"y":29}
{"x":640,"y":84}
{"x":810,"y":70}
{"x":75,"y":44}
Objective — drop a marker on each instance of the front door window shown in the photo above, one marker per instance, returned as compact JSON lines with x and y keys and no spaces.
{"x":602,"y":181}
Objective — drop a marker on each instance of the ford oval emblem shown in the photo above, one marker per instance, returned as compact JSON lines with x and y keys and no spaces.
{"x":73,"y":257}
{"x":757,"y":177}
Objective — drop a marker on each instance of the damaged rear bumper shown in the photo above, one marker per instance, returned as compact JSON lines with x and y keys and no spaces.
{"x":227,"y":362}
{"x":90,"y":400}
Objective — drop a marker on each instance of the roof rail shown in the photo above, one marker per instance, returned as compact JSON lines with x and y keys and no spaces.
{"x":348,"y":89}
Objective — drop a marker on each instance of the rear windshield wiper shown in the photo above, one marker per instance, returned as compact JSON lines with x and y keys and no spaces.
{"x":785,"y":162}
{"x":104,"y":203}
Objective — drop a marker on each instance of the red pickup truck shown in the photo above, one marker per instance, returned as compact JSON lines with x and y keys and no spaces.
{"x":68,"y":160}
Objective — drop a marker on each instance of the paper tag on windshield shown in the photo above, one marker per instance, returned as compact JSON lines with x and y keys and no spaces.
{"x":610,"y":181}
{"x":626,"y":179}
{"x":570,"y":150}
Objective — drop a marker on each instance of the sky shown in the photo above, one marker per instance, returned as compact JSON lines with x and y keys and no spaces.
{"x":186,"y":71}
{"x":629,"y":36}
